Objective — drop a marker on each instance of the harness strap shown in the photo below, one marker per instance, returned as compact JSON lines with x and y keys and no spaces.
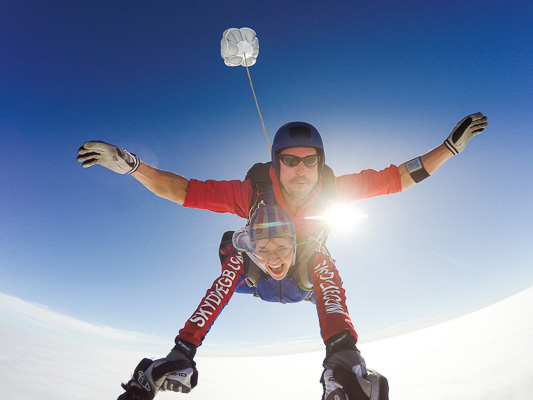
{"x":253,"y":272}
{"x":305,"y":259}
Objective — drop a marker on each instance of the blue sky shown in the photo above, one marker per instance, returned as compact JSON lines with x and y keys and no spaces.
{"x":383,"y":82}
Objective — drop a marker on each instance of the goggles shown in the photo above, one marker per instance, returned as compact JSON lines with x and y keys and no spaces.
{"x":281,"y":252}
{"x":293,"y":161}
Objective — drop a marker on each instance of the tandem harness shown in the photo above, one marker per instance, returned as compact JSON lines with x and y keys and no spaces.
{"x":262,"y":195}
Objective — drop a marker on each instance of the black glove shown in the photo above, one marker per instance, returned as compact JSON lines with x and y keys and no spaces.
{"x":112,"y":157}
{"x":345,"y":375}
{"x":465,"y":129}
{"x":176,"y":372}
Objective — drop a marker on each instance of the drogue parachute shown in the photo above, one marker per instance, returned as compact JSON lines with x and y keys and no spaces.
{"x":239,"y":46}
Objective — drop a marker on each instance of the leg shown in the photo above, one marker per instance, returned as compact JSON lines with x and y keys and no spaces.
{"x":331,"y":306}
{"x":214,"y":301}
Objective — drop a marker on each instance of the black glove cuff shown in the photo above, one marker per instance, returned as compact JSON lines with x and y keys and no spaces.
{"x":185,"y":347}
{"x":339,"y":342}
{"x":133,"y":393}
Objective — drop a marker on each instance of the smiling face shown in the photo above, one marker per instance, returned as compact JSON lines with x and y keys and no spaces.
{"x":298,"y":181}
{"x":275,"y":256}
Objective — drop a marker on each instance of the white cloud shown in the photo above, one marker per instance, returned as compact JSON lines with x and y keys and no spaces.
{"x":483,"y":355}
{"x":36,"y":316}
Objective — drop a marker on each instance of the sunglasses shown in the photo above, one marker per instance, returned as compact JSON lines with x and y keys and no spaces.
{"x":293,"y":161}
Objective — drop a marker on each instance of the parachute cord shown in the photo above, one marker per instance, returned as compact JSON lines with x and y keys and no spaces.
{"x":256,"y":103}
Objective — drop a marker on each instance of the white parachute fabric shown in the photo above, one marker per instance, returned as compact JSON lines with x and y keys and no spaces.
{"x":239,"y":47}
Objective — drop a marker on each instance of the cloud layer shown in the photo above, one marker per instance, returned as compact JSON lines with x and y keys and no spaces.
{"x":483,"y":355}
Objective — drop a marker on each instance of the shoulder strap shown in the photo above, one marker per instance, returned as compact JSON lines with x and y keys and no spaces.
{"x":305,"y":260}
{"x":253,"y":272}
{"x":261,"y":183}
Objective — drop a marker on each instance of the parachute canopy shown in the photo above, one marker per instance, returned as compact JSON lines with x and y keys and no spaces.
{"x":239,"y":47}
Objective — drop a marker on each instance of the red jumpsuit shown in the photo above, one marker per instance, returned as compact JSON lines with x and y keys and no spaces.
{"x":235,"y":197}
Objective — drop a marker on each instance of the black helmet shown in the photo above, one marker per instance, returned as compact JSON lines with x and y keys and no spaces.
{"x":297,"y":134}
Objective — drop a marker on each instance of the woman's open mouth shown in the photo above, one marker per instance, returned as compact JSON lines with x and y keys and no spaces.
{"x":278,"y":271}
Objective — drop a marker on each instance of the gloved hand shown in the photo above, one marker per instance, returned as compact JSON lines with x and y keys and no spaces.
{"x":465,"y":129}
{"x":176,"y":372}
{"x":116,"y":159}
{"x":345,"y":375}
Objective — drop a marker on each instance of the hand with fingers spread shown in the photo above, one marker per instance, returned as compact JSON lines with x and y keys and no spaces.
{"x":465,"y":129}
{"x":112,"y":157}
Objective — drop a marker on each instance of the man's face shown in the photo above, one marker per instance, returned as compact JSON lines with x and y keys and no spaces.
{"x":300,"y":180}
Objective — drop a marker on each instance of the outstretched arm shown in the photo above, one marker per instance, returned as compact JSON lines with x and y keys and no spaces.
{"x":420,"y":168}
{"x":165,"y":184}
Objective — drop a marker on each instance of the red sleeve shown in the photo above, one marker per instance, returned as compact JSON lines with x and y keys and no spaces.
{"x":368,"y":183}
{"x":220,"y":196}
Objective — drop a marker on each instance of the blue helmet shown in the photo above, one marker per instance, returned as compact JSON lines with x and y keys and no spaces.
{"x":297,"y":134}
